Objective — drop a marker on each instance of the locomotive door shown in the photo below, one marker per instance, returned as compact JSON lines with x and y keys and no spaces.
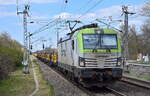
{"x":74,"y":51}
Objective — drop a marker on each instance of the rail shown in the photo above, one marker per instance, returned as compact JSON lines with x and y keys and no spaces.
{"x":116,"y":92}
{"x":137,"y":82}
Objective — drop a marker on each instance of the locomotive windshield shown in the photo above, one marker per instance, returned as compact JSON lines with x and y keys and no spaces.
{"x":100,"y":41}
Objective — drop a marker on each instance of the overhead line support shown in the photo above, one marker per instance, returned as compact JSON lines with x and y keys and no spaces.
{"x":126,"y":29}
{"x":26,"y":49}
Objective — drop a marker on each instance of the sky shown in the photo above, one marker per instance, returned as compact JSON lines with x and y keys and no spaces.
{"x":44,"y":11}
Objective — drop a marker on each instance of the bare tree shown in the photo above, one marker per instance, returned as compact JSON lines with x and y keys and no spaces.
{"x":134,"y":47}
{"x":146,"y":36}
{"x":146,"y":29}
{"x":146,"y":9}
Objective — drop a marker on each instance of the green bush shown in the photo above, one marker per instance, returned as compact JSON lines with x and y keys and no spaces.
{"x":10,"y":55}
{"x":10,"y":59}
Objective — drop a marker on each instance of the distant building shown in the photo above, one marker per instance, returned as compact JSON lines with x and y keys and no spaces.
{"x":140,"y":57}
{"x":146,"y":58}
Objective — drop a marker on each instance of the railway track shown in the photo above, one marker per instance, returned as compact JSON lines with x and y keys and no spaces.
{"x":116,"y":92}
{"x":74,"y":83}
{"x":101,"y":91}
{"x":122,"y":88}
{"x":136,"y":82}
{"x":94,"y":92}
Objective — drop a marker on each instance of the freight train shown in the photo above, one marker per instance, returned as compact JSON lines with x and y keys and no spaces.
{"x":89,"y":55}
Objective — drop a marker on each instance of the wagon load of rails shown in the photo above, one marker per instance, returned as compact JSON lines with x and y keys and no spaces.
{"x":48,"y":55}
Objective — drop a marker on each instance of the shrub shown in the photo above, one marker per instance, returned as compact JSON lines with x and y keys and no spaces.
{"x":10,"y":59}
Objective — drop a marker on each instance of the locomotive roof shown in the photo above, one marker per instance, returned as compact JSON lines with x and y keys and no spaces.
{"x":85,"y":29}
{"x":69,"y":35}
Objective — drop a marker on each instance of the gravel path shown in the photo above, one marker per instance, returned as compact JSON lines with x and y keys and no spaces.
{"x":35,"y":78}
{"x":62,"y":87}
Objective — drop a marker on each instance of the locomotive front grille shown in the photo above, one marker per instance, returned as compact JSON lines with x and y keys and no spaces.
{"x":110,"y":62}
{"x":100,"y":60}
{"x":89,"y":62}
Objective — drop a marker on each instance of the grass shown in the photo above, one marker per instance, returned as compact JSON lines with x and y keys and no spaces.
{"x":140,"y":62}
{"x":141,"y":77}
{"x":18,"y":84}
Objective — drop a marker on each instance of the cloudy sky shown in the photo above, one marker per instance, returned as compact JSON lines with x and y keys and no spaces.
{"x":44,"y":11}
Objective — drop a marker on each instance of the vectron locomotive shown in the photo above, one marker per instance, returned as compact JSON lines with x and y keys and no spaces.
{"x":90,"y":55}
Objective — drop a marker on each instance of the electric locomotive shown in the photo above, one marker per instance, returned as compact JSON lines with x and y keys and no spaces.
{"x":91,"y":55}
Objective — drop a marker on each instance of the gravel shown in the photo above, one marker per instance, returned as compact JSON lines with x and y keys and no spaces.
{"x":62,"y":87}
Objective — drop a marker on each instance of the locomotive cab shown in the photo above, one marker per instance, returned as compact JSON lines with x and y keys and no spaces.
{"x":99,"y":53}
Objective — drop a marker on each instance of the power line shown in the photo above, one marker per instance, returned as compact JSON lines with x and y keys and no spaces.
{"x":91,"y":8}
{"x":109,"y":25}
{"x":48,"y":25}
{"x":85,"y":5}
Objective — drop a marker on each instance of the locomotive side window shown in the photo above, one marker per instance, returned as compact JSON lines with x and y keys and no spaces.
{"x":76,"y":45}
{"x":72,"y":44}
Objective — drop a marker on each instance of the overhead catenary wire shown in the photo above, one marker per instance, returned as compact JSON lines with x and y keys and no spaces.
{"x":109,"y":25}
{"x":85,"y":5}
{"x":41,"y":38}
{"x":97,"y":3}
{"x":48,"y":26}
{"x":45,"y":27}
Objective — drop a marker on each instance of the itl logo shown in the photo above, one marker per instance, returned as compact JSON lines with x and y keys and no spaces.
{"x":102,"y":55}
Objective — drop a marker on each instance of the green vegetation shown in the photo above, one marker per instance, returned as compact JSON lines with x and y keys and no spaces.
{"x":140,"y":77}
{"x":17,"y":84}
{"x":10,"y":55}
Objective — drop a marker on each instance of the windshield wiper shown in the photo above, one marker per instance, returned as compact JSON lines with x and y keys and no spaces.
{"x":95,"y":47}
{"x":108,"y":50}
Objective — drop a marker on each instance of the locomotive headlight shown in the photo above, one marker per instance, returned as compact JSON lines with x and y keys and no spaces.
{"x":81,"y":62}
{"x":119,"y":61}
